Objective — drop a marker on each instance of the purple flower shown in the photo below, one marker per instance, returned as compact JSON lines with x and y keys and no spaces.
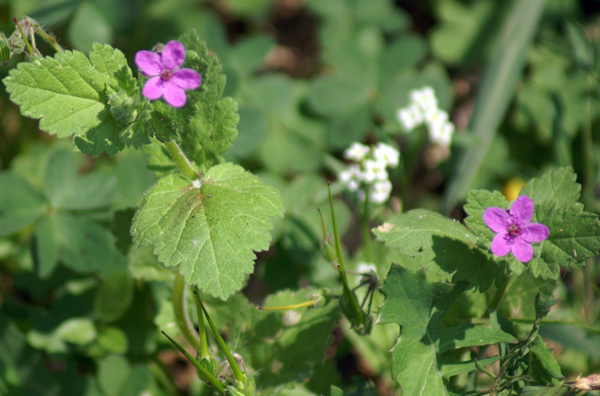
{"x":167,"y":79}
{"x":515,"y":232}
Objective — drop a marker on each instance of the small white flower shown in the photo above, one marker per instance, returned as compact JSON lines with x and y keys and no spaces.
{"x":352,"y":177}
{"x":410,"y":117}
{"x":386,"y":154}
{"x":442,"y":134}
{"x":366,"y":267}
{"x":357,"y":152}
{"x":380,"y":191}
{"x":375,"y":170}
{"x":424,"y":98}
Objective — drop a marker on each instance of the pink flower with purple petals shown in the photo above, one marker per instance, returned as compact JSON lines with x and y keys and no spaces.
{"x":167,"y":79}
{"x":515,"y":232}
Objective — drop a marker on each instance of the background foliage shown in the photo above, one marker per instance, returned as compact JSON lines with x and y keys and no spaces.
{"x":81,"y":307}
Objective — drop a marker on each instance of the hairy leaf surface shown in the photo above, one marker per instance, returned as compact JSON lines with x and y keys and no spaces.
{"x":211,"y":230}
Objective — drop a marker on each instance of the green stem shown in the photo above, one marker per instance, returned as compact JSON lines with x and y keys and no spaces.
{"x":29,"y":49}
{"x":587,"y":146}
{"x":181,"y":160}
{"x":181,"y":314}
{"x":209,"y":377}
{"x":201,"y":329}
{"x":309,"y":303}
{"x":350,"y":298}
{"x":366,"y":231}
{"x":49,"y":39}
{"x":237,"y":372}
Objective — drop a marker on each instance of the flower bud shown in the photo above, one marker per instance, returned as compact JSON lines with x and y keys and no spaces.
{"x":327,"y":251}
{"x":591,"y":382}
{"x":210,"y":364}
{"x":5,"y":53}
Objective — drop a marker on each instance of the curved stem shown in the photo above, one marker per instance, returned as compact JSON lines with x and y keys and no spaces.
{"x":181,"y":160}
{"x":209,"y":377}
{"x":181,"y":314}
{"x":237,"y":372}
{"x":201,"y":329}
{"x":366,"y":231}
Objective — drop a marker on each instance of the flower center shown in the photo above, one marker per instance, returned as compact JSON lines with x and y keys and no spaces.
{"x":512,"y":231}
{"x":166,"y":74}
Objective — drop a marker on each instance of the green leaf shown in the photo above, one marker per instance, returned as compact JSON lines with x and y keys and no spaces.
{"x":113,"y":371}
{"x":47,"y":246}
{"x":78,"y":331}
{"x":68,"y":94}
{"x":452,"y":366}
{"x":338,"y":94}
{"x":468,"y":335}
{"x":210,"y":230}
{"x":86,"y":246}
{"x":559,"y":186}
{"x":114,"y":297}
{"x":113,"y":340}
{"x":443,"y":246}
{"x":477,"y":202}
{"x":574,"y":236}
{"x":544,"y":355}
{"x":20,"y":203}
{"x":408,"y":301}
{"x":417,"y":306}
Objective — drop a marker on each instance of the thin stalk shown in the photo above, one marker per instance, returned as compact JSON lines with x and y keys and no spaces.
{"x":358,"y":314}
{"x":209,"y":377}
{"x":181,"y":160}
{"x":587,"y":148}
{"x":237,"y":372}
{"x":366,"y":230}
{"x":181,"y":314}
{"x":29,"y":48}
{"x":309,"y":303}
{"x":49,"y":39}
{"x":201,"y":330}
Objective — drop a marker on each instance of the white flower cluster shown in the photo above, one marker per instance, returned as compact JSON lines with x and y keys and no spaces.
{"x":370,"y":170}
{"x":423,"y":108}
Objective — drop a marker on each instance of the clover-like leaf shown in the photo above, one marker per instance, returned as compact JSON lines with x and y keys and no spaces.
{"x":210,"y":229}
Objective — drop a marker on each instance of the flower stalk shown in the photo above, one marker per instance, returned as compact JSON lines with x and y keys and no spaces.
{"x":181,"y":160}
{"x":237,"y":372}
{"x":207,"y":375}
{"x":181,"y":315}
{"x":348,"y":297}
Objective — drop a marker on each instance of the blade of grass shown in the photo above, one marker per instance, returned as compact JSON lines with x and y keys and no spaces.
{"x":497,"y":91}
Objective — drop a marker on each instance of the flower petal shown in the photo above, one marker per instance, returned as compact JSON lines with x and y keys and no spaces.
{"x":497,"y":219}
{"x":173,"y":55}
{"x":174,"y":95}
{"x":154,"y":88}
{"x":522,"y":250}
{"x":521,"y":210}
{"x":534,"y":232}
{"x":187,"y":78}
{"x":500,"y":244}
{"x":148,"y":62}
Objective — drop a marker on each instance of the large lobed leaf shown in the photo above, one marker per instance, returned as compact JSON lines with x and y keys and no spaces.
{"x":210,"y":230}
{"x":418,"y":358}
{"x":68,"y":93}
{"x":444,"y":246}
{"x":574,"y":233}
